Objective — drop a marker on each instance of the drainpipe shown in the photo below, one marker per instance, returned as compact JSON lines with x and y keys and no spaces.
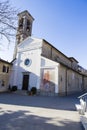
{"x":83,"y":89}
{"x":66,"y":83}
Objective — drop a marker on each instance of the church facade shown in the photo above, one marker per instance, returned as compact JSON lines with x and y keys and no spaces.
{"x":39,"y":64}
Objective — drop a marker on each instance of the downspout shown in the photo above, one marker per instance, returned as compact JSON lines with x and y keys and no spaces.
{"x":66,"y":83}
{"x":83,"y":89}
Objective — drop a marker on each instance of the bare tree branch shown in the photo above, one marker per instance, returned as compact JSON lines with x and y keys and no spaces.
{"x":8,"y":19}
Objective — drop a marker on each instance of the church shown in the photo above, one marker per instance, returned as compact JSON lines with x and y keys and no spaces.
{"x":37,"y":63}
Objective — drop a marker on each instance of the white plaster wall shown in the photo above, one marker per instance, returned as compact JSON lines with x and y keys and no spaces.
{"x":34,"y":68}
{"x":28,"y":49}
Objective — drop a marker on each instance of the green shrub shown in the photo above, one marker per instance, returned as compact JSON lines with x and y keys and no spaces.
{"x":14,"y":88}
{"x":33,"y":90}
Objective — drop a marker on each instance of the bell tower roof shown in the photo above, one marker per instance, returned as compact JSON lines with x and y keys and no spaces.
{"x":25,"y":13}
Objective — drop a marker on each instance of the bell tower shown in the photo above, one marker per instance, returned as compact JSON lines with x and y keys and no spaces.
{"x":25,"y":21}
{"x":24,"y":30}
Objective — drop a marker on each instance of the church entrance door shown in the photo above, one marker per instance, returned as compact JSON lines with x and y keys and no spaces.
{"x":25,"y":82}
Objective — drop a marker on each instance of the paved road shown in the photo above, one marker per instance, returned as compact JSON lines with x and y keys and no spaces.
{"x":18,"y":112}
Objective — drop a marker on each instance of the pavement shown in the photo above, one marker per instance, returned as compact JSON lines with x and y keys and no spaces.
{"x":20,"y":112}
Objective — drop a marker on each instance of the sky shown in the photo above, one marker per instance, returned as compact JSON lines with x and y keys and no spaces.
{"x":63,"y":23}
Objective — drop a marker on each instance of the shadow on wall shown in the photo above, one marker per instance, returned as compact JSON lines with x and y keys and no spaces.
{"x":26,"y":120}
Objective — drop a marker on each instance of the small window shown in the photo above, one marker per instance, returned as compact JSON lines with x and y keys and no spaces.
{"x":3,"y":83}
{"x":27,"y":62}
{"x":7,"y":69}
{"x":4,"y":69}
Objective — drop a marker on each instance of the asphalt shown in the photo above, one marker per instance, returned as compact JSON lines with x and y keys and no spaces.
{"x":20,"y":112}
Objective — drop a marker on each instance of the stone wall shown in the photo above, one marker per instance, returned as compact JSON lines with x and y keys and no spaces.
{"x":69,"y":81}
{"x":47,"y":50}
{"x":50,"y":52}
{"x":4,"y":76}
{"x":85,"y":83}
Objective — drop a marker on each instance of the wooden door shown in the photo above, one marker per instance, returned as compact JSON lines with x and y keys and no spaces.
{"x":25,"y":82}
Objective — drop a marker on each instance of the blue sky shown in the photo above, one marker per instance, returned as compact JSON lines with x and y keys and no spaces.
{"x":63,"y":23}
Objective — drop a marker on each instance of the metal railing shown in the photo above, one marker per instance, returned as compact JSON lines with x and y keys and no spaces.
{"x":83,"y":96}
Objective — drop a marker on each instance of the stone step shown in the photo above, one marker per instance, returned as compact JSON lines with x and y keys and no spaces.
{"x":21,"y":92}
{"x":42,"y":93}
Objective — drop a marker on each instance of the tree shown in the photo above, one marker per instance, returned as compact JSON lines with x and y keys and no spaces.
{"x":8,"y":17}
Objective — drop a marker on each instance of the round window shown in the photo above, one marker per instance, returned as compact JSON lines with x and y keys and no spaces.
{"x":27,"y":62}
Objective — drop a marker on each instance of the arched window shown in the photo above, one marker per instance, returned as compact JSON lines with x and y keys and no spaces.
{"x":28,"y":25}
{"x":21,"y":23}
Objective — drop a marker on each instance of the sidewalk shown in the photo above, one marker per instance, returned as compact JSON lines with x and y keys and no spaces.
{"x":18,"y":112}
